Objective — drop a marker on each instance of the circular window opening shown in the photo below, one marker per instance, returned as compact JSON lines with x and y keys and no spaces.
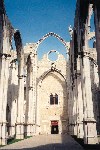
{"x":53,"y":56}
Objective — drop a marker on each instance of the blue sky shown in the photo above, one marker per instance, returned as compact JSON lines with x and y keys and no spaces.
{"x":35,"y":18}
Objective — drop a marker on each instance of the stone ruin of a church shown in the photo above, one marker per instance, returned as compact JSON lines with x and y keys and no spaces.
{"x":51,"y":97}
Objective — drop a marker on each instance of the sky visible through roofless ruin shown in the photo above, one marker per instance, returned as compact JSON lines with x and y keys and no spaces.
{"x":35,"y":18}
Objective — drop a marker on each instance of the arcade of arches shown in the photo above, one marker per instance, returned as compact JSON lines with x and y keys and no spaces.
{"x":51,"y":97}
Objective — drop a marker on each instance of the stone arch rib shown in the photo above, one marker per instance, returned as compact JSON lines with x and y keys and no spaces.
{"x":42,"y":77}
{"x":54,"y":35}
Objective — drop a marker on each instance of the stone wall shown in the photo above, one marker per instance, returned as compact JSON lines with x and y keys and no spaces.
{"x":52,"y":79}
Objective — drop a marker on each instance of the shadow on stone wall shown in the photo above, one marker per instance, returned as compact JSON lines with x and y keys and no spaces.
{"x":12,"y":95}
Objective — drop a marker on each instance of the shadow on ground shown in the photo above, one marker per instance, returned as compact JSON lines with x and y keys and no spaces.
{"x":55,"y":147}
{"x":87,"y":147}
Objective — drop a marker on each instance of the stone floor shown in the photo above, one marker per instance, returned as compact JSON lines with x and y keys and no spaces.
{"x":46,"y":142}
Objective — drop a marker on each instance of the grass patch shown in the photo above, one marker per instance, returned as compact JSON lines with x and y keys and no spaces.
{"x":28,"y":137}
{"x":11,"y":141}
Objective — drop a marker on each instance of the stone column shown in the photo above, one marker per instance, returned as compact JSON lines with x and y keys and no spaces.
{"x":20,"y":104}
{"x":3,"y":99}
{"x":28,"y":88}
{"x":90,"y":133}
{"x":30,"y":99}
{"x":75,"y":105}
{"x":4,"y":103}
{"x":31,"y":93}
{"x":20,"y":100}
{"x":14,"y":91}
{"x":97,"y":34}
{"x":96,"y":97}
{"x":34,"y":82}
{"x":70,"y":109}
{"x":80,"y":132}
{"x":4,"y":75}
{"x":71,"y":97}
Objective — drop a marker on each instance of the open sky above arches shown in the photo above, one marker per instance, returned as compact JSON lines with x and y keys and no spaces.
{"x":35,"y":18}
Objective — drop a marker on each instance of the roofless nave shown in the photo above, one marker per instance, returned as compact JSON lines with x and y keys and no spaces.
{"x":51,"y":97}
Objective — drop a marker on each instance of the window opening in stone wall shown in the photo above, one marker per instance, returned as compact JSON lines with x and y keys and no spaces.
{"x":13,"y":47}
{"x":53,"y":99}
{"x":56,"y":99}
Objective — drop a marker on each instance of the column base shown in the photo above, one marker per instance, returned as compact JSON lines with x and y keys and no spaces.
{"x":12,"y":130}
{"x":92,"y":140}
{"x":30,"y":130}
{"x":3,"y":134}
{"x":90,"y":132}
{"x":80,"y":132}
{"x":4,"y":142}
{"x":33,"y":130}
{"x":71,"y":129}
{"x":37,"y":129}
{"x":19,"y":131}
{"x":75,"y":129}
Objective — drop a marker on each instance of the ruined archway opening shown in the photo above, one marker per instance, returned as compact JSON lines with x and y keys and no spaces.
{"x":92,"y":23}
{"x":13,"y":46}
{"x":51,"y":43}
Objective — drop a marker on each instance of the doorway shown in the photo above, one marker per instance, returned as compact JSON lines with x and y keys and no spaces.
{"x":54,"y":127}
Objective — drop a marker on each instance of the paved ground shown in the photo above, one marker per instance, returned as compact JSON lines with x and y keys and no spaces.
{"x":46,"y":142}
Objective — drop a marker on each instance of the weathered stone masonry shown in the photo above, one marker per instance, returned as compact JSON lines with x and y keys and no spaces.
{"x":27,"y":85}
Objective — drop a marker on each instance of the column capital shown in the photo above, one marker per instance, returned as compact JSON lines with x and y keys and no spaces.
{"x":89,"y":120}
{"x":21,"y":76}
{"x":4,"y":55}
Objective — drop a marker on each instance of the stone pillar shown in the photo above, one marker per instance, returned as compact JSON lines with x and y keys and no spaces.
{"x":3,"y":98}
{"x":80,"y":132}
{"x":20,"y":100}
{"x":30,"y":102}
{"x":20,"y":106}
{"x":34,"y":81}
{"x":90,"y":137}
{"x":73,"y":69}
{"x":96,"y":97}
{"x":70,"y":111}
{"x":75,"y":105}
{"x":71,"y":96}
{"x":28,"y":90}
{"x":97,"y":34}
{"x":90,"y":132}
{"x":4,"y":75}
{"x":31,"y":93}
{"x":14,"y":91}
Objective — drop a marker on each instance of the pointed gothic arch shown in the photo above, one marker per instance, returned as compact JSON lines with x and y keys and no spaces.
{"x":42,"y":77}
{"x":66,"y":44}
